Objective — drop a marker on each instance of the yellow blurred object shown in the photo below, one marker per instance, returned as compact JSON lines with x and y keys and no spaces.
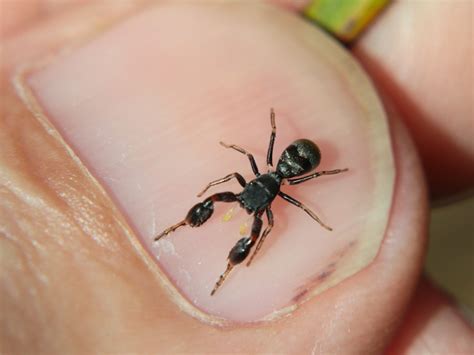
{"x":345,"y":19}
{"x":244,"y":228}
{"x":228,"y":215}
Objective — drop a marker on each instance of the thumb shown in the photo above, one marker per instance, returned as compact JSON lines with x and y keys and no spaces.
{"x":145,"y":124}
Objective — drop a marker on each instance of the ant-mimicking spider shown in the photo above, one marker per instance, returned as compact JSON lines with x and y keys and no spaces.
{"x":300,"y":157}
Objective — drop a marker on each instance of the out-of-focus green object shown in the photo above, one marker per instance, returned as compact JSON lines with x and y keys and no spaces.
{"x":345,"y":19}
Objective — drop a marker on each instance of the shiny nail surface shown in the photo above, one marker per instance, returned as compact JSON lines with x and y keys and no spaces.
{"x":145,"y":104}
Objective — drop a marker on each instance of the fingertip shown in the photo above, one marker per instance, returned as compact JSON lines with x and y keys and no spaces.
{"x":151,"y":152}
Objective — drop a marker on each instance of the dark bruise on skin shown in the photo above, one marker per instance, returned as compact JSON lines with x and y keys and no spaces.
{"x":313,"y":282}
{"x":321,"y":276}
{"x":300,"y":296}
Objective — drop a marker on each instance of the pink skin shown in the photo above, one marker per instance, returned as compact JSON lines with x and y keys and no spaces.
{"x":153,"y":144}
{"x":420,"y":55}
{"x":73,"y":278}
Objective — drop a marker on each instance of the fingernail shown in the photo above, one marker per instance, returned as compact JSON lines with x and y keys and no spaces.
{"x":145,"y":105}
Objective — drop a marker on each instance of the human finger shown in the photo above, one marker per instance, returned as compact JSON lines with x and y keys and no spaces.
{"x":111,"y":253}
{"x":420,"y":56}
{"x":432,"y":325}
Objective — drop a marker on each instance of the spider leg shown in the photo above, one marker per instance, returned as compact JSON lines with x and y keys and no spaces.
{"x":266,"y":231}
{"x":239,"y":178}
{"x":200,"y":212}
{"x":272,"y":140}
{"x":253,"y":164}
{"x":304,"y":208}
{"x":315,"y":175}
{"x":241,"y":250}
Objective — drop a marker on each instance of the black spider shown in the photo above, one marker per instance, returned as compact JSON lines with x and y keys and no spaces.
{"x":300,"y":157}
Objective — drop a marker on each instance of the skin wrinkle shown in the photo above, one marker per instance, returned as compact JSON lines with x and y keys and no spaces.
{"x":31,"y":286}
{"x":63,"y":189}
{"x":50,"y":204}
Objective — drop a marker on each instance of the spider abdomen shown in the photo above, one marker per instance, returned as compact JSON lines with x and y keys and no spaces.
{"x":300,"y":157}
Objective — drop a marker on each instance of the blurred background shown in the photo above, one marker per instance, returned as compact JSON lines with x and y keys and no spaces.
{"x":450,"y":261}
